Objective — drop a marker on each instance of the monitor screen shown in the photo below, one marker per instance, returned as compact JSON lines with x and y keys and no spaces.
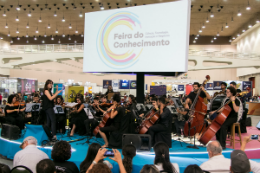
{"x":148,"y":38}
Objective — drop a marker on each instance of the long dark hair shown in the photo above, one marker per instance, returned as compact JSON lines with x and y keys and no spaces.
{"x":161,"y":150}
{"x":132,"y":98}
{"x":129,"y":151}
{"x":46,"y":85}
{"x":92,"y":152}
{"x":10,"y":98}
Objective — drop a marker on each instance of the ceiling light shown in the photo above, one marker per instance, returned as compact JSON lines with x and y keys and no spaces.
{"x":35,"y":38}
{"x":238,"y":34}
{"x":69,"y":38}
{"x":6,"y":26}
{"x":82,"y":35}
{"x":230,"y":40}
{"x":63,"y":20}
{"x":211,"y":15}
{"x":243,"y":30}
{"x":232,"y":20}
{"x":70,"y":26}
{"x":257,"y":21}
{"x":102,"y":8}
{"x":18,"y":38}
{"x":218,"y":34}
{"x":198,"y":35}
{"x":203,"y":26}
{"x":75,"y":41}
{"x":40,"y":20}
{"x":80,"y":14}
{"x":43,"y":41}
{"x":29,"y":14}
{"x":207,"y":21}
{"x":234,"y":38}
{"x":248,"y":7}
{"x":4,"y":14}
{"x":52,"y":38}
{"x":17,"y":19}
{"x":37,"y":30}
{"x":76,"y":31}
{"x":17,"y":31}
{"x":63,"y":35}
{"x":239,"y":13}
{"x":226,"y":25}
{"x":11,"y":41}
{"x":59,"y":41}
{"x":222,"y":29}
{"x":27,"y":41}
{"x":56,"y":31}
{"x":55,"y":14}
{"x":45,"y":35}
{"x":196,"y":38}
{"x":8,"y":35}
{"x":27,"y":26}
{"x":212,"y":41}
{"x":249,"y":26}
{"x":200,"y":30}
{"x":27,"y":36}
{"x":18,"y":8}
{"x":215,"y":38}
{"x":49,"y":26}
{"x":194,"y":41}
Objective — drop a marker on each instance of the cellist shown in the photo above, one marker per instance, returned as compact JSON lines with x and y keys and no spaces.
{"x":221,"y":135}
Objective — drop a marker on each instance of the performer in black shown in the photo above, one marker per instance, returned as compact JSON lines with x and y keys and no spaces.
{"x":163,"y":122}
{"x":109,"y":90}
{"x":232,"y":118}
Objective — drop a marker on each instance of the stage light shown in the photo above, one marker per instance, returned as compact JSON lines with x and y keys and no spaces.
{"x":4,"y":14}
{"x":49,"y":26}
{"x":239,"y":13}
{"x":6,"y":26}
{"x":29,"y":14}
{"x":63,"y":20}
{"x":226,"y":25}
{"x":80,"y":14}
{"x":55,"y":14}
{"x":17,"y":19}
{"x":40,"y":20}
{"x":211,"y":15}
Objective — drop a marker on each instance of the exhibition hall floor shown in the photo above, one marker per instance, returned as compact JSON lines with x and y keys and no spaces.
{"x":179,"y":152}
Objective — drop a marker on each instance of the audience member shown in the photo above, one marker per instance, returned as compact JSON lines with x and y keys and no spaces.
{"x":91,"y":154}
{"x":100,"y":167}
{"x":100,"y":155}
{"x":193,"y":169}
{"x":149,"y":169}
{"x":162,"y":158}
{"x":217,"y":162}
{"x":129,"y":151}
{"x":61,"y":152}
{"x":239,"y":162}
{"x":45,"y":166}
{"x":30,"y":155}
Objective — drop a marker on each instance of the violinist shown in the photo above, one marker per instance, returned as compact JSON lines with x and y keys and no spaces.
{"x":61,"y":118}
{"x":131,"y":103}
{"x":36,"y":99}
{"x":117,"y":112}
{"x":232,"y":117}
{"x":223,"y":89}
{"x":191,"y":97}
{"x":12,"y":113}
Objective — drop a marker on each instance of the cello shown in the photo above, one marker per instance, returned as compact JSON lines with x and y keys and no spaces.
{"x":216,"y":124}
{"x":150,"y":119}
{"x":197,"y":112}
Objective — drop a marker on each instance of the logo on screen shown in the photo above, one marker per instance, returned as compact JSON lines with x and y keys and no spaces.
{"x":110,"y":58}
{"x":124,"y":84}
{"x":133,"y":84}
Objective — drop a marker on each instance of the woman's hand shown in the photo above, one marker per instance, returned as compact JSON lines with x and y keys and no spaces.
{"x":141,"y":115}
{"x":117,"y":156}
{"x":100,"y":155}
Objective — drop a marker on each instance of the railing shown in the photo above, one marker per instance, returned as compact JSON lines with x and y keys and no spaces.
{"x":219,"y":54}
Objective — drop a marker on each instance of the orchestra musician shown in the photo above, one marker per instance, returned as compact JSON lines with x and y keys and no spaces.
{"x":61,"y":118}
{"x":48,"y":104}
{"x":232,"y":118}
{"x":12,"y":112}
{"x":223,"y":89}
{"x":78,"y":117}
{"x":109,"y":90}
{"x":131,"y":103}
{"x":36,"y":99}
{"x":116,"y":113}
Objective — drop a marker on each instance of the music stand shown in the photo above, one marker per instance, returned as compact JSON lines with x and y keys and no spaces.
{"x":32,"y":107}
{"x":88,"y":113}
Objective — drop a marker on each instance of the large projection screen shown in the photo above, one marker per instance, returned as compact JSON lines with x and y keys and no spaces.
{"x":148,"y":38}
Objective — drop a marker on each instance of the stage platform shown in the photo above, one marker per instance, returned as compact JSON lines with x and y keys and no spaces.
{"x":179,"y":152}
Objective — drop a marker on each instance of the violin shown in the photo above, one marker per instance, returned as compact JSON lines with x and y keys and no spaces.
{"x":17,"y":103}
{"x":106,"y":104}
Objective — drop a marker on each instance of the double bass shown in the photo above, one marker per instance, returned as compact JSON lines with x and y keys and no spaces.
{"x":150,"y":119}
{"x":198,"y":110}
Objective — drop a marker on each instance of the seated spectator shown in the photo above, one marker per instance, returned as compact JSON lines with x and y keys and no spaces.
{"x":129,"y":151}
{"x":193,"y":169}
{"x":239,"y":162}
{"x":162,"y":158}
{"x":30,"y":155}
{"x":61,"y":152}
{"x":91,"y":154}
{"x":100,"y":156}
{"x":4,"y":168}
{"x":100,"y":167}
{"x":217,"y":162}
{"x":149,"y":169}
{"x":45,"y":166}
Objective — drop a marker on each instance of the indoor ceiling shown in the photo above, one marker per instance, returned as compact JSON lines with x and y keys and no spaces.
{"x":223,"y":10}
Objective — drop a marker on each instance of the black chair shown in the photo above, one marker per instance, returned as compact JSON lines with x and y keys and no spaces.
{"x":4,"y":168}
{"x":21,"y":169}
{"x":165,"y":136}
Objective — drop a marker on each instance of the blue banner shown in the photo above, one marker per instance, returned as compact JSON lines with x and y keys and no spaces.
{"x":106,"y":83}
{"x":246,"y":84}
{"x":217,"y":85}
{"x":158,"y":90}
{"x":124,"y":84}
{"x":209,"y":86}
{"x":132,"y":84}
{"x":180,"y":87}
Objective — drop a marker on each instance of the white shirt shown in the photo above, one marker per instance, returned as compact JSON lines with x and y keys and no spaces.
{"x":216,"y":163}
{"x":255,"y":166}
{"x":29,"y":157}
{"x":175,"y":165}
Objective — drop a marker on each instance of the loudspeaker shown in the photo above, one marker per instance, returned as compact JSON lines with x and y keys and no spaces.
{"x":10,"y":131}
{"x":142,"y":142}
{"x":258,"y":125}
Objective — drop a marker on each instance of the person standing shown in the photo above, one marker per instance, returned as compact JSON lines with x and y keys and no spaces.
{"x":1,"y":97}
{"x":48,"y":105}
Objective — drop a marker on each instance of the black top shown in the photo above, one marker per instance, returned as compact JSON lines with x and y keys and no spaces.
{"x":131,"y":106}
{"x":46,"y":103}
{"x":82,"y":113}
{"x":13,"y":114}
{"x":233,"y":114}
{"x":117,"y":119}
{"x":165,"y":117}
{"x":67,"y":167}
{"x":192,"y":95}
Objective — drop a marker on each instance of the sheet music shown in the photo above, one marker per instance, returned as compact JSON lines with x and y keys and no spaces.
{"x":30,"y":105}
{"x":71,"y":104}
{"x":89,"y":114}
{"x":58,"y":109}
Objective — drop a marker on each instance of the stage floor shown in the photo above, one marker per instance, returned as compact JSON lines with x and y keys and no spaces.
{"x":179,"y":152}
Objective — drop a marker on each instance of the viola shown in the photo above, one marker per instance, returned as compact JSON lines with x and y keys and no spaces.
{"x":150,"y":119}
{"x":197,"y":112}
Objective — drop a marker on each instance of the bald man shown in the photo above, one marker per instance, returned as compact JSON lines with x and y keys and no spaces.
{"x":217,"y":162}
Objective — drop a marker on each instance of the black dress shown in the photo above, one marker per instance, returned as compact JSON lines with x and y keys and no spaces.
{"x":13,"y":118}
{"x":78,"y":119}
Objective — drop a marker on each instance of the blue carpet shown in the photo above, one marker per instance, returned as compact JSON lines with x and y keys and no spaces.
{"x":181,"y":155}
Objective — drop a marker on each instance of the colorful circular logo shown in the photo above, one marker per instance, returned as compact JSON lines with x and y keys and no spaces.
{"x":109,"y":57}
{"x":133,"y":84}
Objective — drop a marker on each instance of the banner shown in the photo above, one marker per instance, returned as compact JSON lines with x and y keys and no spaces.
{"x":115,"y":85}
{"x":124,"y":84}
{"x":60,"y":87}
{"x":26,"y":86}
{"x":158,"y":90}
{"x":209,"y":86}
{"x":180,"y":87}
{"x":217,"y":85}
{"x":132,"y":84}
{"x":246,"y":84}
{"x":107,"y":83}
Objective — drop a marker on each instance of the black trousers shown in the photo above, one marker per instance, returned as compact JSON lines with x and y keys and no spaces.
{"x":221,"y":135}
{"x":179,"y":126}
{"x":51,"y":120}
{"x":90,"y":125}
{"x":61,"y":122}
{"x":18,"y":121}
{"x":157,"y":128}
